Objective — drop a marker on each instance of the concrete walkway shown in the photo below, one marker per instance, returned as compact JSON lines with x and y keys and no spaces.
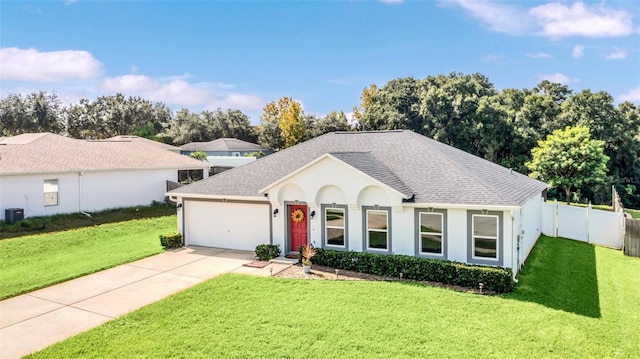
{"x":35,"y":320}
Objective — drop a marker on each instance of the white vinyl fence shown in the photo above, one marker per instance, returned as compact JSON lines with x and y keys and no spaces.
{"x":582,"y":224}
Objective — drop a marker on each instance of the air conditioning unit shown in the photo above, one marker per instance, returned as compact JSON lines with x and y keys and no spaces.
{"x":13,"y":215}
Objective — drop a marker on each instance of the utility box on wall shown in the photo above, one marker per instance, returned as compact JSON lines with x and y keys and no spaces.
{"x":13,"y":215}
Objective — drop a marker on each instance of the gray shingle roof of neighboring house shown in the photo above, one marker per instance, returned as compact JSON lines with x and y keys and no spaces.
{"x":223,"y":144}
{"x":413,"y":164}
{"x":51,"y":153}
{"x":147,"y":141}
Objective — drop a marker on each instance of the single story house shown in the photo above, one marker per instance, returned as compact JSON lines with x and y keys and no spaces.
{"x":226,"y":153}
{"x":165,"y":146}
{"x":380,"y":192}
{"x":46,"y":174}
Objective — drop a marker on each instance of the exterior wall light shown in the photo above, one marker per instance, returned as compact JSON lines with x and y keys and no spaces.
{"x":275,"y":212}
{"x":312,"y":214}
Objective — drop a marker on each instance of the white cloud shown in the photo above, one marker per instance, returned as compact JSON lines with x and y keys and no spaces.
{"x":174,"y":90}
{"x":558,"y":78}
{"x":391,"y":1}
{"x":540,"y":55}
{"x":577,"y":51}
{"x":554,"y":19}
{"x":616,"y":54}
{"x":597,"y":20}
{"x":53,"y":66}
{"x":498,"y":17}
{"x":632,"y":96}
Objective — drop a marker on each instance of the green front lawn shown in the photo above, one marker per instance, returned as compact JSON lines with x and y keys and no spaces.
{"x":574,"y":300}
{"x":635,"y":213}
{"x":63,"y":222}
{"x":36,"y":261}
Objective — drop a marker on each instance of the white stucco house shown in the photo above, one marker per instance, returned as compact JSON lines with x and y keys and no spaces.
{"x":381,"y":192}
{"x":46,"y":174}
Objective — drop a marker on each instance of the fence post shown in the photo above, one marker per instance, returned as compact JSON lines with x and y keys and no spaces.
{"x":555,"y":218}
{"x":588,"y":222}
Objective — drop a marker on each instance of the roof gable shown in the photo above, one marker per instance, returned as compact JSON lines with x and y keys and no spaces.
{"x":432,"y":171}
{"x":362,"y":162}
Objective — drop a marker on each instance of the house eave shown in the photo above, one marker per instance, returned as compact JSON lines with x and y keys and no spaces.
{"x":216,"y":197}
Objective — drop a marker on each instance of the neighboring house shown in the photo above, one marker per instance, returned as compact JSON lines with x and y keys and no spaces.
{"x":184,"y":176}
{"x":379,"y":192}
{"x":147,"y":141}
{"x":226,"y":153}
{"x":45,"y":173}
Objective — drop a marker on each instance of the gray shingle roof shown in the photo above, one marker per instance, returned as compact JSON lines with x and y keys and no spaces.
{"x":223,"y":144}
{"x":411,"y":163}
{"x":49,"y":153}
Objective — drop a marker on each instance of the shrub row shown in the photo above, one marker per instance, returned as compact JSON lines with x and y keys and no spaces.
{"x":171,"y":240}
{"x":421,"y":269}
{"x":264,"y":252}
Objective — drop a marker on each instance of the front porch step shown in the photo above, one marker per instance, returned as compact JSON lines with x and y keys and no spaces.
{"x":284,"y":260}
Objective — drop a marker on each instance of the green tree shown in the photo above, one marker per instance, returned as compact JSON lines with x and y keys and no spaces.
{"x":229,"y":124}
{"x":110,"y":116}
{"x":365,"y":101}
{"x":187,"y":127}
{"x":448,"y":105}
{"x":569,"y":159}
{"x":334,"y":121}
{"x":282,"y":124}
{"x":198,"y":155}
{"x":35,"y":112}
{"x":395,"y":106}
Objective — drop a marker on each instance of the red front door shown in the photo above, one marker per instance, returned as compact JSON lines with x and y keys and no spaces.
{"x":297,"y":227}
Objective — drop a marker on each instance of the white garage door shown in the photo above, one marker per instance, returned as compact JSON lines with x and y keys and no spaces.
{"x":226,"y":225}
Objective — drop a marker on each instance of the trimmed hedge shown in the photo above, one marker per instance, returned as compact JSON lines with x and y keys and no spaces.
{"x":422,"y":269}
{"x":265,"y":252}
{"x":171,"y":240}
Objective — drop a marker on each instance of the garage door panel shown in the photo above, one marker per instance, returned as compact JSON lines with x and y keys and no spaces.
{"x":226,"y":225}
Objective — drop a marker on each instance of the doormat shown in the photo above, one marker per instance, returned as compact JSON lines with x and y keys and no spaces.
{"x":292,"y":256}
{"x":257,"y":264}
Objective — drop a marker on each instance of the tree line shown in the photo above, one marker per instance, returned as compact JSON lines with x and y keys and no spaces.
{"x":464,"y":111}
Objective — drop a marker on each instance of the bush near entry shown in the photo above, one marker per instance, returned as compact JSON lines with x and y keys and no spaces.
{"x":171,"y":240}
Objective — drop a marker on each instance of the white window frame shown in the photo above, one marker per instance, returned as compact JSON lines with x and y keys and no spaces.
{"x":386,"y":213}
{"x":327,"y":227}
{"x":51,"y":182}
{"x":496,"y":238}
{"x":441,"y":234}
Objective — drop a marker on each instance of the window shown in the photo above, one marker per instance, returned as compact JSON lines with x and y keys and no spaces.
{"x":377,"y":230}
{"x":334,"y":226}
{"x":51,"y":192}
{"x":431,"y":230}
{"x":484,"y":237}
{"x":485,"y":229}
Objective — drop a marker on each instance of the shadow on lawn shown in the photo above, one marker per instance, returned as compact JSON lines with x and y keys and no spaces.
{"x":560,"y":274}
{"x":63,"y":222}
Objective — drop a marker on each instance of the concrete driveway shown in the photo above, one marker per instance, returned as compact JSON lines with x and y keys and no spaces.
{"x":35,"y":320}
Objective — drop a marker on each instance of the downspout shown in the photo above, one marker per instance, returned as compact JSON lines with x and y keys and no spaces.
{"x":80,"y":174}
{"x":514,"y":269}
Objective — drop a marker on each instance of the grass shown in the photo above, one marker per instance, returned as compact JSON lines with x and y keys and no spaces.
{"x":36,"y":261}
{"x":635,"y":213}
{"x":574,"y":301}
{"x":62,"y":222}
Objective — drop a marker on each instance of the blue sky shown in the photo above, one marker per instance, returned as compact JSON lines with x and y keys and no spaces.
{"x":209,"y":54}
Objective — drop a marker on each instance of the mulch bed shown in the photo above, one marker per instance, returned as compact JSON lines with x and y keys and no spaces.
{"x":327,"y":273}
{"x":257,"y":264}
